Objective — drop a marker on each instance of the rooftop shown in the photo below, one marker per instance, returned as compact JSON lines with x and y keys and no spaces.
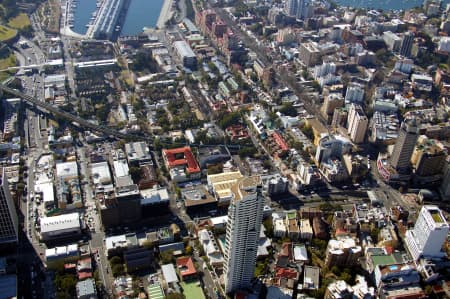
{"x":245,"y":186}
{"x":169,"y":273}
{"x":182,"y":156}
{"x":86,"y":288}
{"x":186,"y":266}
{"x":60,"y":222}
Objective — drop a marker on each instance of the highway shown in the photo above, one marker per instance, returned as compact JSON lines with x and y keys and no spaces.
{"x":78,"y":120}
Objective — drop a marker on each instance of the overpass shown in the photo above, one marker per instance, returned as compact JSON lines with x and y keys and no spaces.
{"x":74,"y":119}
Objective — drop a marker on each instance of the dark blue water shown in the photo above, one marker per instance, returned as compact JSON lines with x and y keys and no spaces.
{"x":141,"y":13}
{"x":384,"y":4}
{"x":83,"y":14}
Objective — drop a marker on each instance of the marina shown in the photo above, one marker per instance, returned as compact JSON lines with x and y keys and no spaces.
{"x":107,"y":19}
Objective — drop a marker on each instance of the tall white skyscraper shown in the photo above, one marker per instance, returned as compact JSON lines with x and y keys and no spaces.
{"x":244,"y":224}
{"x":428,"y":235}
{"x":8,"y":215}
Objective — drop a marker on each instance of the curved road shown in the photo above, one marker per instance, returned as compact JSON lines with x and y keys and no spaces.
{"x":82,"y":122}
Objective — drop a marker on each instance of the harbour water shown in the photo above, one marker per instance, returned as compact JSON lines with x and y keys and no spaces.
{"x":83,"y":14}
{"x":383,"y":4}
{"x":140,"y":14}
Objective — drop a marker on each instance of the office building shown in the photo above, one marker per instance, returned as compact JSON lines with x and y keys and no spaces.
{"x":428,"y":235}
{"x":407,"y":43}
{"x":309,"y":53}
{"x":332,"y":146}
{"x":340,"y":116}
{"x":343,"y":252}
{"x":304,"y":9}
{"x":243,"y":228}
{"x":220,"y":185}
{"x":392,"y":40}
{"x":277,"y":185}
{"x":291,"y":7}
{"x":138,"y":153}
{"x":185,"y":54}
{"x":444,"y":189}
{"x":301,"y":9}
{"x":8,"y":216}
{"x":428,"y":157}
{"x":331,"y":102}
{"x":354,"y":94}
{"x":357,"y":123}
{"x":404,"y":146}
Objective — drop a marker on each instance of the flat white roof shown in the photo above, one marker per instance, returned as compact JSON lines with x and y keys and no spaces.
{"x":150,"y":196}
{"x":63,"y":250}
{"x":115,"y":241}
{"x":61,"y":222}
{"x":100,"y":173}
{"x":67,"y":169}
{"x":169,"y":273}
{"x":48,"y":194}
{"x":121,"y":168}
{"x":300,"y":253}
{"x":219,"y":220}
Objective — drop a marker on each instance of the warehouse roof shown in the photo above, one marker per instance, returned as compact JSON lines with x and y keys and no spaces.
{"x":183,"y":49}
{"x":169,"y":273}
{"x":60,"y":222}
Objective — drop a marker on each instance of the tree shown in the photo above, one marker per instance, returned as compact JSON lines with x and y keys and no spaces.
{"x":247,"y":152}
{"x":308,"y":131}
{"x":229,"y":119}
{"x":115,"y":260}
{"x":166,"y":257}
{"x":175,"y":295}
{"x":135,"y":173}
{"x":118,"y":270}
{"x":189,"y":250}
{"x":288,"y":109}
{"x":268,"y":224}
{"x":214,"y":169}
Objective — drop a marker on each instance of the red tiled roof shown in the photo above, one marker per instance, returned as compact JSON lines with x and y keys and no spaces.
{"x":280,"y":141}
{"x":389,"y":249}
{"x":186,"y":266}
{"x":188,"y":158}
{"x":82,"y":275}
{"x":286,"y":273}
{"x":70,"y":266}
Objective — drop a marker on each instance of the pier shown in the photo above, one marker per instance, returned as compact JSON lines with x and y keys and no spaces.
{"x":106,"y":24}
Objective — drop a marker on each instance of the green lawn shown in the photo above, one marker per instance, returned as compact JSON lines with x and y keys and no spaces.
{"x":4,"y":64}
{"x":192,"y":290}
{"x":20,"y":21}
{"x":6,"y":33}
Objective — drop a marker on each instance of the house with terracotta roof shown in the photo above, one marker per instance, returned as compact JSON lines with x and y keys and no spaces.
{"x":84,"y":268}
{"x":237,"y":132}
{"x":181,"y":164}
{"x":186,"y":268}
{"x":277,"y":145}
